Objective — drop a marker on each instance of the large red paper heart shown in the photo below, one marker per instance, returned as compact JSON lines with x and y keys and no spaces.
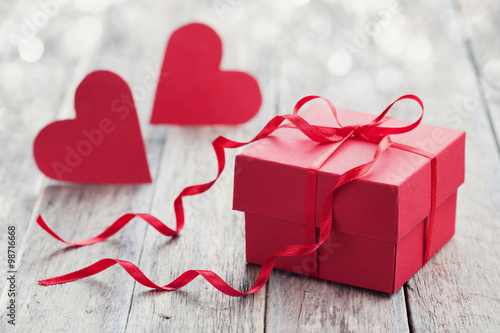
{"x":103,"y":144}
{"x":192,"y":90}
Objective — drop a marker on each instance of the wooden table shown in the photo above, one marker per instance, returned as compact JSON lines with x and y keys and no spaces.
{"x":361,"y":55}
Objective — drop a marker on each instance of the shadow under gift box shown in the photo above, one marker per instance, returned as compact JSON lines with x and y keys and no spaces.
{"x":379,"y":225}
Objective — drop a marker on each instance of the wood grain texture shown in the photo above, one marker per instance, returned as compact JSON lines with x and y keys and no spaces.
{"x":81,"y":211}
{"x":458,"y":289}
{"x":26,"y":90}
{"x":480,"y":35}
{"x":361,"y":55}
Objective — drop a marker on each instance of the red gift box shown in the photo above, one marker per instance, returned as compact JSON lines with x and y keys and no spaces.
{"x":380,"y":221}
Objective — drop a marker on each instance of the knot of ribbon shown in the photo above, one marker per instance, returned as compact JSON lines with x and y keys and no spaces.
{"x":335,"y":136}
{"x":357,"y":130}
{"x":372,"y":131}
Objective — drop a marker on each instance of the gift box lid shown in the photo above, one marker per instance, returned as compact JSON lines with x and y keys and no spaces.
{"x":385,"y":204}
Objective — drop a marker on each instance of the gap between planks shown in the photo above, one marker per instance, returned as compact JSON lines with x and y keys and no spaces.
{"x":145,"y":233}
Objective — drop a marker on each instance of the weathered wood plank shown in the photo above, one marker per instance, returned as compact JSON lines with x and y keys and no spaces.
{"x":459,"y":289}
{"x":24,"y":90}
{"x":480,"y":26}
{"x":28,"y":102}
{"x":80,"y":211}
{"x":214,"y":235}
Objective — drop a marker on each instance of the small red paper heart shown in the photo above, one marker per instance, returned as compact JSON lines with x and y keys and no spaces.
{"x":103,"y":144}
{"x":192,"y":90}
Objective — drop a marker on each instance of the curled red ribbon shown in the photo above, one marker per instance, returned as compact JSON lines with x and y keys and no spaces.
{"x":371,"y":131}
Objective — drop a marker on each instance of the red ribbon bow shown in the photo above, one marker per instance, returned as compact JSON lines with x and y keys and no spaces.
{"x":371,"y":131}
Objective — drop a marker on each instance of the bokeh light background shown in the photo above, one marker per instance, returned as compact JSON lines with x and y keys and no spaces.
{"x":318,"y":33}
{"x":352,"y":45}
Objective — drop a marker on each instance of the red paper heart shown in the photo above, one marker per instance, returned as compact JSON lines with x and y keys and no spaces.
{"x":103,"y":144}
{"x":192,"y":90}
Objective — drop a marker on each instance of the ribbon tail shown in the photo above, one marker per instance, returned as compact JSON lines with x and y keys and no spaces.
{"x":185,"y":278}
{"x":113,"y":228}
